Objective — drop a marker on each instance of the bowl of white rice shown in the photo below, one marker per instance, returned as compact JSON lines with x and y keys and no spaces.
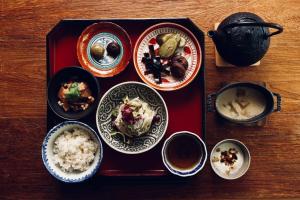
{"x":72,"y":152}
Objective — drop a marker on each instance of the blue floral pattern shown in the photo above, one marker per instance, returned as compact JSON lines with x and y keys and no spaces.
{"x":46,"y":159}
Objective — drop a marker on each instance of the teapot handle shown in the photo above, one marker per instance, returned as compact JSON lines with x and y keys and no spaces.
{"x":263,"y":24}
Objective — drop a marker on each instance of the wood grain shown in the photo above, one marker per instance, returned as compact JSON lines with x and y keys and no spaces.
{"x":275,"y":148}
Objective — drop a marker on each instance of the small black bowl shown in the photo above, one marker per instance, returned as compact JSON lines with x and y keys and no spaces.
{"x":75,"y":74}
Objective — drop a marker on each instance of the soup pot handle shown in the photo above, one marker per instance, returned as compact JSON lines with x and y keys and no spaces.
{"x":278,"y":96}
{"x":211,"y":102}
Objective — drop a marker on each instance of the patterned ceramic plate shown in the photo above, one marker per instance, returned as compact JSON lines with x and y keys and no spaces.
{"x":104,"y":33}
{"x":191,"y":51}
{"x":112,"y":98}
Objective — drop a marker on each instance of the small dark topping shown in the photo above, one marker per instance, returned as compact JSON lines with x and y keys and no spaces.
{"x":229,"y":157}
{"x":153,"y":64}
{"x":113,"y":49}
{"x":179,"y":66}
{"x":151,"y":51}
{"x":177,"y":70}
{"x":181,"y":60}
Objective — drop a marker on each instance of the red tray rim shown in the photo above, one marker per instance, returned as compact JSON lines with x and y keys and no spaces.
{"x":145,"y":173}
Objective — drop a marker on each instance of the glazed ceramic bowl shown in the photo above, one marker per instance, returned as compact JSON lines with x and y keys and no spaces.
{"x":183,"y":152}
{"x":47,"y":153}
{"x":112,"y":98}
{"x":73,"y":73}
{"x":240,"y":166}
{"x":103,"y":33}
{"x":191,"y":52}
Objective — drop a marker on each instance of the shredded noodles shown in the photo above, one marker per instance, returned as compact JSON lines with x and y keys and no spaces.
{"x":142,"y":114}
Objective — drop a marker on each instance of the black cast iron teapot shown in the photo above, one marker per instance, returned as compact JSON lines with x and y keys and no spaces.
{"x":243,"y":38}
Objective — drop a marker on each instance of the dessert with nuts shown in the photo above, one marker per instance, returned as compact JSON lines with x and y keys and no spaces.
{"x":228,"y":158}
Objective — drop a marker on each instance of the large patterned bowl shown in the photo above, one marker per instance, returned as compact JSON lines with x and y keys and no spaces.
{"x":112,"y":99}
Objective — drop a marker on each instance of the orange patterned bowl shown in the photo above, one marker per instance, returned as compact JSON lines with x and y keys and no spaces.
{"x":103,"y":33}
{"x":191,"y":51}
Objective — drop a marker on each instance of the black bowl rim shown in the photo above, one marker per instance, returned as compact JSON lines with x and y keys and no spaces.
{"x":66,"y":69}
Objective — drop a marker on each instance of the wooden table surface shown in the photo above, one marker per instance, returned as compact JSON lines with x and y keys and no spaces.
{"x":275,"y":148}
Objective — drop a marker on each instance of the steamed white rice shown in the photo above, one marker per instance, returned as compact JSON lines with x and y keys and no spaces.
{"x":74,"y":150}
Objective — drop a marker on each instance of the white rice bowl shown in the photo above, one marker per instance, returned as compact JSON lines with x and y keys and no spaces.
{"x":48,"y":154}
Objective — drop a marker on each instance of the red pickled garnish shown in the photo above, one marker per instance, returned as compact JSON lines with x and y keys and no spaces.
{"x":164,"y":80}
{"x":152,"y":41}
{"x":187,"y":50}
{"x":156,"y":51}
{"x":127,"y":115}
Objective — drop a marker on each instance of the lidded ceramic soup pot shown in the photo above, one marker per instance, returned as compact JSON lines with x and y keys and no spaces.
{"x":243,"y":38}
{"x":243,"y":102}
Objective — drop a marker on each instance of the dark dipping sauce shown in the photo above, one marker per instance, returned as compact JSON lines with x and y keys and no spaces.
{"x":184,"y":151}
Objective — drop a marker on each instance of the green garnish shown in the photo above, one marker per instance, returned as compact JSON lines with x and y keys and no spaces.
{"x":73,"y":92}
{"x":130,"y":127}
{"x":115,"y":112}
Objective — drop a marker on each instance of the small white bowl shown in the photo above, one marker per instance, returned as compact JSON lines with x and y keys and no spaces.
{"x":47,"y":153}
{"x":184,"y":172}
{"x":242,"y":164}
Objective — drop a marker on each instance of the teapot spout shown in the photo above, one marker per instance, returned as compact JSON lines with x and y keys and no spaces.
{"x":211,"y":34}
